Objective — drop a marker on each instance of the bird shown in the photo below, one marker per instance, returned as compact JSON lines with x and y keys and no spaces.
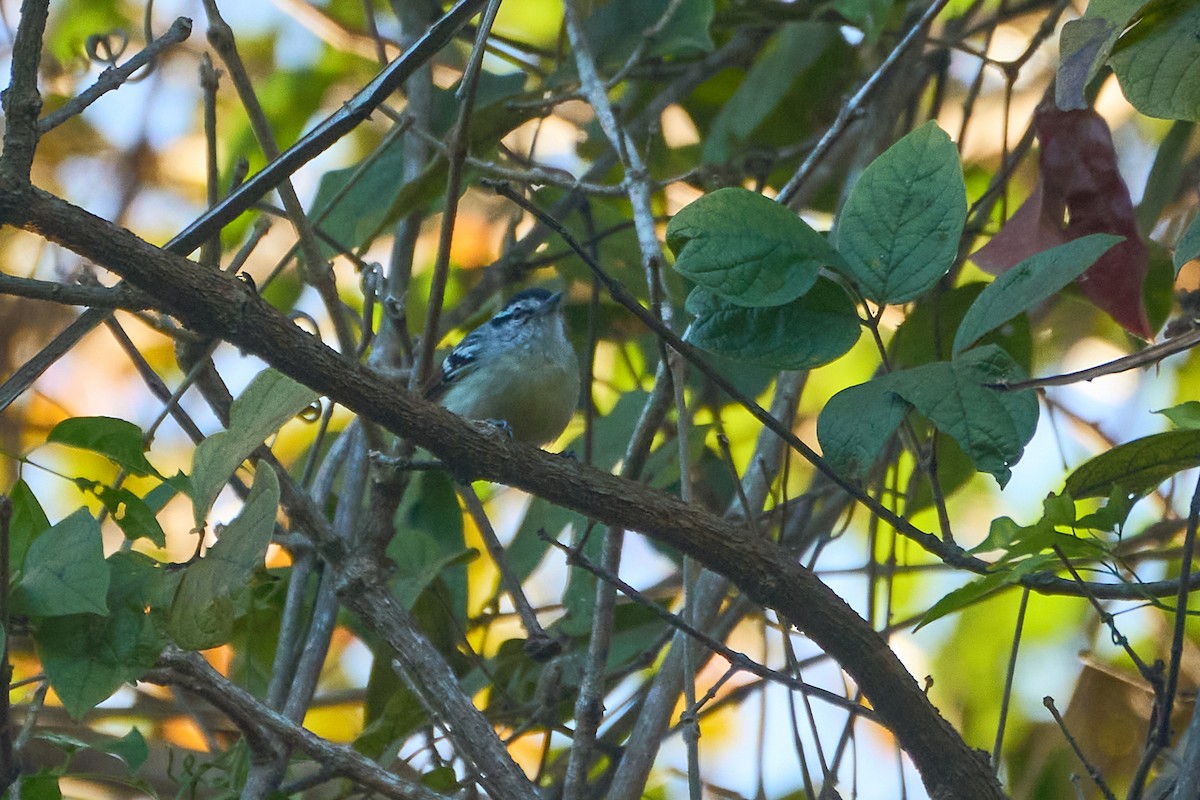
{"x":517,"y":370}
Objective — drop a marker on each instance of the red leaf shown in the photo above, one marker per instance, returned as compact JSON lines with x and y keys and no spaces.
{"x":1080,"y":192}
{"x":1029,"y":231}
{"x":1079,"y":165}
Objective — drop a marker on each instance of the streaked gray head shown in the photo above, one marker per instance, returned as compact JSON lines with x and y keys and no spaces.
{"x":525,"y":306}
{"x":528,"y":317}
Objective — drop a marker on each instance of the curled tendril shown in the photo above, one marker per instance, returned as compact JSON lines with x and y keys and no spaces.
{"x":105,"y":48}
{"x":301,"y":316}
{"x":311,"y":413}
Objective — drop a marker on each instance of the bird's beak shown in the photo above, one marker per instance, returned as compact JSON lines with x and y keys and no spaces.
{"x":552,"y":303}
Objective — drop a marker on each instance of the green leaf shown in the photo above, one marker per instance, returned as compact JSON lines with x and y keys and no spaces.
{"x":981,"y":588}
{"x":1029,"y":283}
{"x":129,"y":511}
{"x":1085,"y":45}
{"x":420,"y":560}
{"x":791,"y":51}
{"x":900,"y":227}
{"x":1166,"y":175}
{"x":1112,"y":515}
{"x":115,"y":439}
{"x":747,"y":249}
{"x":430,"y":513}
{"x":1157,"y":62}
{"x":856,"y":424}
{"x":1136,"y":466}
{"x":930,"y":325}
{"x":42,"y":786}
{"x":811,"y":330}
{"x":205,"y":603}
{"x":65,"y":571}
{"x":1185,"y":415}
{"x":28,"y":522}
{"x":270,"y":400}
{"x":1001,"y":534}
{"x":130,"y":748}
{"x":1188,"y":247}
{"x":87,"y":657}
{"x":991,"y":427}
{"x":361,"y":210}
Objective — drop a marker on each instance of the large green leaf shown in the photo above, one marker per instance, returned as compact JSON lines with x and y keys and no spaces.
{"x":900,"y":227}
{"x":116,"y":439}
{"x":990,"y":426}
{"x":429,"y":543}
{"x":1029,"y":283}
{"x":1085,"y":45}
{"x":747,"y":249}
{"x":65,"y":571}
{"x":782,"y":61}
{"x":205,"y":603}
{"x":41,"y":786}
{"x":87,"y":657}
{"x":270,"y":400}
{"x":931,"y":323}
{"x":983,"y":587}
{"x":1136,"y":466}
{"x":811,"y":330}
{"x":1158,"y":62}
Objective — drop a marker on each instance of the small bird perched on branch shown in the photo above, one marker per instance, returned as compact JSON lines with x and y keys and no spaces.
{"x":518,"y":369}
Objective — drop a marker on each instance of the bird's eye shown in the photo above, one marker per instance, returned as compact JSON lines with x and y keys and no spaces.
{"x":514,"y":313}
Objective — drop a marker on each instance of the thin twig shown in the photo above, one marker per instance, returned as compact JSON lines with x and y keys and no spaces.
{"x":459,"y":140}
{"x":1092,"y":772}
{"x":1009,"y":674}
{"x":113,"y":77}
{"x":318,"y":273}
{"x":1143,"y":358}
{"x":540,"y":645}
{"x":120,"y":296}
{"x":850,"y":109}
{"x":210,"y":80}
{"x":736,"y":659}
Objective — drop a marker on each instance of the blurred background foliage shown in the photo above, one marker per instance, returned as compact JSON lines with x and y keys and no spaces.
{"x":723,"y":93}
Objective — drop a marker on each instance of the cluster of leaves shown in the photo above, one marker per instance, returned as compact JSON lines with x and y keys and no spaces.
{"x":760,"y":298}
{"x":101,"y":622}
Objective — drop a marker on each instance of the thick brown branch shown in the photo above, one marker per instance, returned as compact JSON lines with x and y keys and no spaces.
{"x":217,"y":305}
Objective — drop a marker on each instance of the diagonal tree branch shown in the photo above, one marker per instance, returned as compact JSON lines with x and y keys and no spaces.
{"x":217,"y":305}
